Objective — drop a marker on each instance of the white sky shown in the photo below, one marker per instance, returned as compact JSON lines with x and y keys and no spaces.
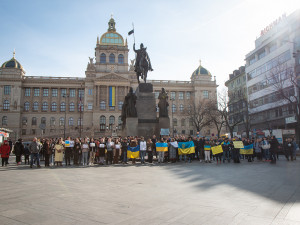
{"x":55,"y":38}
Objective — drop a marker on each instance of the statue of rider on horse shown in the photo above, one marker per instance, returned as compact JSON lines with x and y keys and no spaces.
{"x":142,"y":63}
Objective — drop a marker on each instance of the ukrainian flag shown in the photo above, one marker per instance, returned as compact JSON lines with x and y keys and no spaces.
{"x":186,"y":148}
{"x":207,"y":148}
{"x":161,"y":147}
{"x":112,"y":96}
{"x":247,"y":150}
{"x":133,"y":152}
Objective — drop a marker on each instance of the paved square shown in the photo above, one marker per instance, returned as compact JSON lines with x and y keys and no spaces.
{"x":182,"y":193}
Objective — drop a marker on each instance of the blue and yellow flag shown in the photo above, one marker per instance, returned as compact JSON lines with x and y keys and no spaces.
{"x":247,"y":150}
{"x":112,"y":96}
{"x":186,"y":148}
{"x":207,"y":148}
{"x":161,"y":147}
{"x":133,"y":152}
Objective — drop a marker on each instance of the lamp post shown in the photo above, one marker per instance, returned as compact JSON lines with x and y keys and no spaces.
{"x":65,"y":97}
{"x":172,"y":99}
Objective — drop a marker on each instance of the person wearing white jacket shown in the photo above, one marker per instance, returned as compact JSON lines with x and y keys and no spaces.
{"x":143,"y":148}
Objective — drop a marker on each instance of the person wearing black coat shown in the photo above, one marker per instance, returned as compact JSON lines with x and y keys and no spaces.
{"x":274,"y":144}
{"x":289,"y":147}
{"x":19,"y":151}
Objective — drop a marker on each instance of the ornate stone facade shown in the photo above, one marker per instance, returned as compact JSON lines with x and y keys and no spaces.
{"x":80,"y":106}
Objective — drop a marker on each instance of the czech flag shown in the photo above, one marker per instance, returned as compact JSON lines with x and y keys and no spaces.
{"x":185,"y":148}
{"x":161,"y":147}
{"x":133,"y":152}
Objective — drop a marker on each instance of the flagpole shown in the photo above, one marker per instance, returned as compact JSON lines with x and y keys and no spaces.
{"x":133,"y":33}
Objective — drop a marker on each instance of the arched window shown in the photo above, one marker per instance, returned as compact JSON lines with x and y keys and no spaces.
{"x":24,"y":121}
{"x":121,"y":59}
{"x":43,"y":120}
{"x":102,"y":58}
{"x":4,"y":121}
{"x":102,"y":123}
{"x":173,"y":108}
{"x":120,"y":104}
{"x":52,"y":121}
{"x":45,"y":106}
{"x":72,"y":107}
{"x":61,"y":121}
{"x":35,"y":106}
{"x":26,"y":106}
{"x":79,"y":122}
{"x":120,"y":122}
{"x":71,"y":121}
{"x":181,"y":108}
{"x":53,"y":107}
{"x":111,"y":122}
{"x":33,"y":121}
{"x":111,"y":58}
{"x":63,"y":107}
{"x":174,"y":122}
{"x":6,"y":105}
{"x":182,"y":122}
{"x":102,"y":105}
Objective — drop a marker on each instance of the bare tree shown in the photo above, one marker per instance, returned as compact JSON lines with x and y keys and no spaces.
{"x":198,"y":112}
{"x":284,"y":80}
{"x":216,"y":116}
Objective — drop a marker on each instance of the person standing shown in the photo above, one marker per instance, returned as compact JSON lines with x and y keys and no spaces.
{"x":266,"y":147}
{"x":34,"y":149}
{"x":59,"y":152}
{"x":68,"y":152}
{"x":26,"y":154}
{"x":110,"y":145}
{"x":124,"y":145}
{"x":274,"y":144}
{"x":117,"y":151}
{"x":133,"y":143}
{"x":4,"y":151}
{"x":143,"y":148}
{"x":93,"y":149}
{"x":76,"y":151}
{"x":150,"y":150}
{"x":85,"y":152}
{"x":226,"y":153}
{"x":47,"y":152}
{"x":102,"y":151}
{"x":289,"y":147}
{"x":19,"y":150}
{"x":257,"y":149}
{"x":173,"y":148}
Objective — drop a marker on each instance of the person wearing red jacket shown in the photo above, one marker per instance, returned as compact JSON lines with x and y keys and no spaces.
{"x":4,"y":151}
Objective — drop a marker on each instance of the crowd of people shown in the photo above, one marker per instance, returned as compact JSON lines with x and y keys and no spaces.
{"x":109,"y":150}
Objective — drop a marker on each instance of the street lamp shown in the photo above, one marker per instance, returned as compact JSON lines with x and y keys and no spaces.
{"x":172,"y":99}
{"x":65,"y":97}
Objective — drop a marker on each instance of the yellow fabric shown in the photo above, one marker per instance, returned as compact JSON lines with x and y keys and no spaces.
{"x":133,"y":155}
{"x":184,"y":151}
{"x":238,"y":144}
{"x":216,"y":149}
{"x":246,"y":152}
{"x":161,"y":149}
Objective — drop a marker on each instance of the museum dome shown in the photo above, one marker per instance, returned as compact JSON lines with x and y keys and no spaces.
{"x":12,"y":63}
{"x":111,"y":37}
{"x":201,"y":71}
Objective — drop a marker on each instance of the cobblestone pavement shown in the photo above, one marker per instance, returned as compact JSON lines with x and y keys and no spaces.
{"x":181,"y":193}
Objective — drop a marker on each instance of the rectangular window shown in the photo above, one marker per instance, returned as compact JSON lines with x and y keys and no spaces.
{"x":261,"y":54}
{"x":191,"y":132}
{"x":252,"y":60}
{"x":45,"y":92}
{"x":27,"y":92}
{"x":7,"y":89}
{"x":173,"y":95}
{"x":205,"y":94}
{"x":72,"y":93}
{"x":23,"y":131}
{"x":33,"y":131}
{"x":36,"y":92}
{"x":188,"y":95}
{"x":90,"y":91}
{"x":63,"y":92}
{"x":81,"y":93}
{"x":183,"y":131}
{"x":90,"y":106}
{"x":111,"y":108}
{"x":180,"y":95}
{"x":54,"y":92}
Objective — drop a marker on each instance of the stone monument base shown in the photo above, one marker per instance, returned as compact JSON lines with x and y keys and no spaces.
{"x":164,"y":123}
{"x":131,"y":127}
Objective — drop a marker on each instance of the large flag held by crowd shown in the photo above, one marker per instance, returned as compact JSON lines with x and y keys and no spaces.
{"x":247,"y":150}
{"x":161,"y":147}
{"x":133,"y":152}
{"x":186,"y":148}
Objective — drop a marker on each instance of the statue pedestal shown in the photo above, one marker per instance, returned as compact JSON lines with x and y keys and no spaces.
{"x":131,"y":128}
{"x":164,"y":123}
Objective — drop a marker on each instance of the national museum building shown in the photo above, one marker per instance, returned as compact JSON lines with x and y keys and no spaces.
{"x":91,"y":105}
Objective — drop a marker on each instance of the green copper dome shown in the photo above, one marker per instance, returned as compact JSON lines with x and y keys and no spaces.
{"x":201,"y":71}
{"x":13,"y":63}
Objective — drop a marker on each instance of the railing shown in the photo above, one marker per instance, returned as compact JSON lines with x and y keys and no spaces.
{"x":55,"y":78}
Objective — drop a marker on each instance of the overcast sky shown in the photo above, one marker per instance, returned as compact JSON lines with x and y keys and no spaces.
{"x":55,"y":38}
